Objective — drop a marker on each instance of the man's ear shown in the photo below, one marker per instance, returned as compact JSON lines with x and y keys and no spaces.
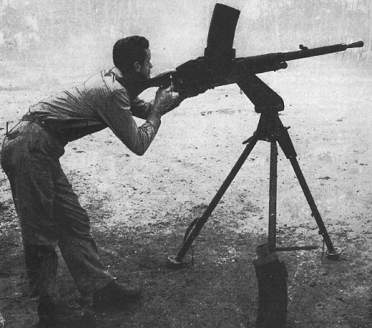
{"x":137,"y":66}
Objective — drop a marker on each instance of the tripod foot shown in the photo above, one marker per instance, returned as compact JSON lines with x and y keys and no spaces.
{"x":173,"y":263}
{"x":333,"y":255}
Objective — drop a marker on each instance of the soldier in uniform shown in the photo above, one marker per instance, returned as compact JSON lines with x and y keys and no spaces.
{"x":49,"y":212}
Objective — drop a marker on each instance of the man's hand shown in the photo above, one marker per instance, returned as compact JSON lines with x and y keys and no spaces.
{"x":166,"y":100}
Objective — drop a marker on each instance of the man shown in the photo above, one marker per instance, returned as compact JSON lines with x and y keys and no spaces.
{"x":49,"y":211}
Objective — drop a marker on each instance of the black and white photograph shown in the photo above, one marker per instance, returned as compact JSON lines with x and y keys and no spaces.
{"x":183,"y":163}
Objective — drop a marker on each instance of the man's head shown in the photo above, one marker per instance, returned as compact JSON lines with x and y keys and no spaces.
{"x":132,"y":55}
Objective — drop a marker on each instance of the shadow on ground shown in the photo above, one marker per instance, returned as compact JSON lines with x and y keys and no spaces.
{"x":216,"y":289}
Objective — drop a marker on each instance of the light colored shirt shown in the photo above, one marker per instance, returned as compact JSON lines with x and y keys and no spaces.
{"x":100,"y":102}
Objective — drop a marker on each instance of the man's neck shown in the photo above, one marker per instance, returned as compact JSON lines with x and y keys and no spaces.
{"x":131,"y":81}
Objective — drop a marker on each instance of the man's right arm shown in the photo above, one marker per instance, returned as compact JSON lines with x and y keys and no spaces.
{"x":119,"y":118}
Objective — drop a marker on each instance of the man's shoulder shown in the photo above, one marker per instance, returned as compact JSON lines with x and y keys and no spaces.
{"x":106,"y":80}
{"x":110,"y":79}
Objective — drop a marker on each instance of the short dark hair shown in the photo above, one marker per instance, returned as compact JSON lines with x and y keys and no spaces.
{"x":128,"y":50}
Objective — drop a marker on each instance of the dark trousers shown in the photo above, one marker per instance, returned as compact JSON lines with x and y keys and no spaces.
{"x":49,"y":212}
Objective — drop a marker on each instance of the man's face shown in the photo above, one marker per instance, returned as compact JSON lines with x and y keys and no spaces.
{"x":145,"y":68}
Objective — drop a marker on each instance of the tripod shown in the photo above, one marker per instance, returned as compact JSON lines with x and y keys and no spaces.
{"x":271,"y":129}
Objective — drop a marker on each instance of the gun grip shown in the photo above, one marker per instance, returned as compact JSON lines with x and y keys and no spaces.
{"x":260,"y":94}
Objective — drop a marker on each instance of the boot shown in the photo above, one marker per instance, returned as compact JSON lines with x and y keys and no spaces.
{"x":115,"y":295}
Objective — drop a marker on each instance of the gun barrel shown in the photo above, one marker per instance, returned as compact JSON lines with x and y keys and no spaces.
{"x":357,"y":44}
{"x":305,"y":52}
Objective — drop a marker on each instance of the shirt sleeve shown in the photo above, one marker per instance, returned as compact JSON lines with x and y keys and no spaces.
{"x":141,"y":108}
{"x":118,"y":116}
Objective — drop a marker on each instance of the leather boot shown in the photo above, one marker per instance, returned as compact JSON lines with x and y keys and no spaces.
{"x":115,"y":295}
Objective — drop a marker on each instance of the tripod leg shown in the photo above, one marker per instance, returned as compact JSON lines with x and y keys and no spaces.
{"x":203,"y":219}
{"x":314,"y":210}
{"x":286,"y":144}
{"x":273,"y":195}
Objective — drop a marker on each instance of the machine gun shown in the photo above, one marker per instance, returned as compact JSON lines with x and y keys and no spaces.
{"x":219,"y":66}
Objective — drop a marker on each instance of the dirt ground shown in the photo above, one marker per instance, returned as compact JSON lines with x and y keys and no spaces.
{"x":141,"y":206}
